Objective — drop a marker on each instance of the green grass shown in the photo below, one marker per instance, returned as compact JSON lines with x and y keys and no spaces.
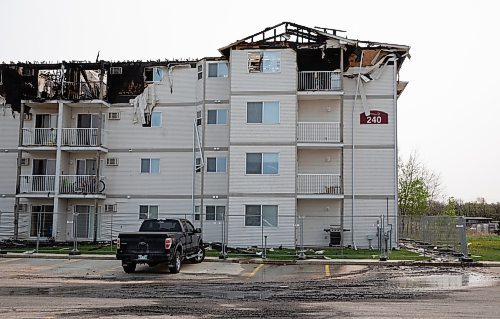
{"x":333,"y":253}
{"x":98,"y":249}
{"x":484,"y":247}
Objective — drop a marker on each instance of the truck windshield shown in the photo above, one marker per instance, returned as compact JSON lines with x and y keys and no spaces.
{"x":167,"y":225}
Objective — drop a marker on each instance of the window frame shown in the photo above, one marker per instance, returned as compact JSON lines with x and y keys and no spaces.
{"x":149,"y":211}
{"x":263,"y":107}
{"x":261,"y":59}
{"x":217,"y":111}
{"x":262,"y":163}
{"x":218,"y":63}
{"x":217,"y":158}
{"x":153,"y":69}
{"x":150,"y":166}
{"x":216,"y":215}
{"x":261,"y":216}
{"x":150,"y":123}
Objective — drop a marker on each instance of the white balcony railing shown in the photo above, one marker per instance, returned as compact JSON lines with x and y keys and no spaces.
{"x":318,"y":132}
{"x":39,"y":136}
{"x":319,"y":81}
{"x":37,"y":183}
{"x":80,"y":184}
{"x":79,"y":137}
{"x":319,"y":184}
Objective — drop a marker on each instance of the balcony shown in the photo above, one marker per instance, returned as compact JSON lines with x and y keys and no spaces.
{"x":318,"y":132}
{"x":39,"y":137}
{"x":319,"y":186}
{"x":319,"y":81}
{"x":80,"y":137}
{"x":69,"y":185}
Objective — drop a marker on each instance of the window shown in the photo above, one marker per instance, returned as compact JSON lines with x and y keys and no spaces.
{"x":197,"y":212}
{"x":152,"y":120}
{"x":198,"y":118}
{"x":216,"y":164}
{"x":153,"y":74}
{"x":200,"y":72}
{"x":41,"y":220}
{"x":265,"y":62}
{"x":215,"y":212}
{"x":148,"y":211}
{"x":218,"y":116}
{"x":262,"y":163}
{"x":150,"y":165}
{"x":261,"y":215}
{"x":263,"y":112}
{"x":217,"y":70}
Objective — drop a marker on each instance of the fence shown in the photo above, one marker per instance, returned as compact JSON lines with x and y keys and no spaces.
{"x":444,"y":232}
{"x":261,"y":230}
{"x":319,"y":81}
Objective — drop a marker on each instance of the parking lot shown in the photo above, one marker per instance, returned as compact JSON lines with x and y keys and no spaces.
{"x":83,"y":288}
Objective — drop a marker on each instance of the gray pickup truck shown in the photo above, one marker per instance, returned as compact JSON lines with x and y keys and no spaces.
{"x":160,"y":240}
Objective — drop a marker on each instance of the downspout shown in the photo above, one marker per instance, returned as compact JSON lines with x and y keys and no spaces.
{"x":18,"y":176}
{"x":202,"y":145}
{"x":352,"y":148}
{"x":396,"y":197}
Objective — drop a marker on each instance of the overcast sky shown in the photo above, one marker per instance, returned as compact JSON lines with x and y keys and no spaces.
{"x":449,"y":112}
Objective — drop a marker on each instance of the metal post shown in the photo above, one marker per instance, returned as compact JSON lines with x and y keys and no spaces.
{"x":383,"y":236}
{"x":38,"y":226}
{"x":111,"y":231}
{"x":462,"y":229}
{"x":223,"y":254}
{"x":264,"y":254}
{"x":302,"y":255}
{"x":75,"y":239}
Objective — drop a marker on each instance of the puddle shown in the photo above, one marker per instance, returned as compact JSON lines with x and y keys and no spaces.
{"x":445,"y":281}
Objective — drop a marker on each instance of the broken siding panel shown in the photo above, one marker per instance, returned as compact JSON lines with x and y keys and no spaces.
{"x":319,"y":161}
{"x":126,"y":178}
{"x":319,"y":111}
{"x":176,"y":130}
{"x":285,"y":131}
{"x":374,"y":172}
{"x":179,"y":87}
{"x":384,"y":85}
{"x":369,"y":134}
{"x":240,"y":235}
{"x":283,"y":182}
{"x":242,"y":80}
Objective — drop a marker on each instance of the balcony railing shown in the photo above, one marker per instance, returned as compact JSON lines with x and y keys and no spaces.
{"x":319,"y":184}
{"x":319,"y":81}
{"x":80,"y":137}
{"x":39,"y":136}
{"x":318,"y":132}
{"x":37,"y":183}
{"x":80,"y":184}
{"x":68,"y":184}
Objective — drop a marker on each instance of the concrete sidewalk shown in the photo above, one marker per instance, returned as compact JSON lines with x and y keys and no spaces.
{"x":365,"y":262}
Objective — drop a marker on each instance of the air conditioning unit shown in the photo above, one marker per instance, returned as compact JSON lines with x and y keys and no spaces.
{"x":25,"y":161}
{"x":112,"y":161}
{"x":109,"y":208}
{"x":113,"y":115}
{"x":22,"y":208}
{"x":115,"y":70}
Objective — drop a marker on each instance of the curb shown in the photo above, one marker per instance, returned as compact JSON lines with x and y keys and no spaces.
{"x":361,"y":262}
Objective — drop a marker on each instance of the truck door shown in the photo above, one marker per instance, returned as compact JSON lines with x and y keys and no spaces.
{"x":189,"y":237}
{"x":195,"y":237}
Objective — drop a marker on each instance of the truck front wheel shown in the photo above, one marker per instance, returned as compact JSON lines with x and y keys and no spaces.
{"x":175,"y":267}
{"x":129,"y":267}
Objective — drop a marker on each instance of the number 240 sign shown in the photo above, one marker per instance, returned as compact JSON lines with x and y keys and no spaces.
{"x":375,"y":117}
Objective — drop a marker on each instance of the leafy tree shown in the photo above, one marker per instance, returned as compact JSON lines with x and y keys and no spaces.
{"x":449,"y":209}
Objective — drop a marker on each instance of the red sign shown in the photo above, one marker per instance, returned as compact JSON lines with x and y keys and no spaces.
{"x":375,"y":117}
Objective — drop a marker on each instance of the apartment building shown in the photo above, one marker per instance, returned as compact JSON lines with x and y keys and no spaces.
{"x":289,"y":137}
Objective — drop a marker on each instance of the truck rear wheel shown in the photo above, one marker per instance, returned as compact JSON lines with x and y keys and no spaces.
{"x":129,"y":268}
{"x":200,"y":255}
{"x":175,"y":267}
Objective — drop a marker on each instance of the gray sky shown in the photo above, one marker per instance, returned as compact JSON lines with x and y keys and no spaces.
{"x":448,"y":113}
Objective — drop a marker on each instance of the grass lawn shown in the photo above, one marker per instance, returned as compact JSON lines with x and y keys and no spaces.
{"x":65,"y":249}
{"x":484,"y":247}
{"x":333,"y":253}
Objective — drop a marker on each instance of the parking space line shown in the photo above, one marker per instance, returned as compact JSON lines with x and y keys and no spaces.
{"x":327,"y":271}
{"x":255,"y":271}
{"x":8,"y":260}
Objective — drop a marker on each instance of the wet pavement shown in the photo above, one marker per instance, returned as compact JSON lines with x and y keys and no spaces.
{"x":76,"y":288}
